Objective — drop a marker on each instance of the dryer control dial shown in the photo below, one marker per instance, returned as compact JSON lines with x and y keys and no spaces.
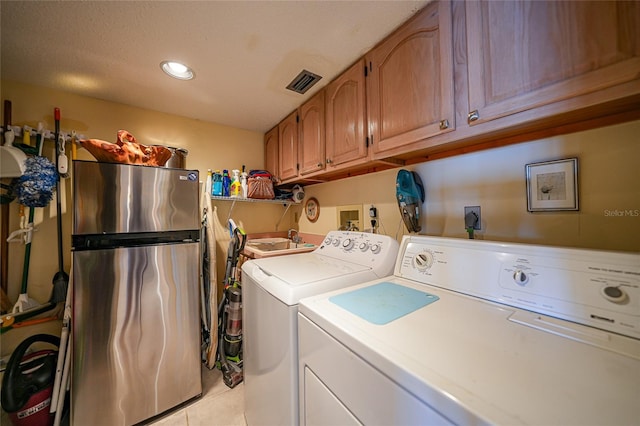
{"x":375,"y":248}
{"x":363,"y":247}
{"x":520,"y":277}
{"x":614,"y":294}
{"x":423,"y":260}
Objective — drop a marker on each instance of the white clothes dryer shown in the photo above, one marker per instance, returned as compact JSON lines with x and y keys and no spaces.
{"x":271,"y":289}
{"x":474,"y":332}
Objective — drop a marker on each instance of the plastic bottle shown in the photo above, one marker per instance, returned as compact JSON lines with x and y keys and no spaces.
{"x":217,"y":184}
{"x":226,"y":183}
{"x":208,"y":182}
{"x":243,"y":185}
{"x":235,"y":187}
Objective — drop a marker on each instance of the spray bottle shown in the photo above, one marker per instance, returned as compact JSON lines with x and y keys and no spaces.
{"x":235,"y":187}
{"x":243,"y":184}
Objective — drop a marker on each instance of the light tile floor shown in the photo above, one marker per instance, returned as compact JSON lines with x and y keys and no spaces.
{"x":219,"y":405}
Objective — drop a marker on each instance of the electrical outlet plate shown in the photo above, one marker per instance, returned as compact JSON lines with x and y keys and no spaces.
{"x":470,"y":212}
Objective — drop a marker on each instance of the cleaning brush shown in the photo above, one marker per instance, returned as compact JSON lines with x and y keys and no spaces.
{"x":35,"y":187}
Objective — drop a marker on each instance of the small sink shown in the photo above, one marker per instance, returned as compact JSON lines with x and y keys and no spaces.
{"x":266,"y":247}
{"x":269,"y":244}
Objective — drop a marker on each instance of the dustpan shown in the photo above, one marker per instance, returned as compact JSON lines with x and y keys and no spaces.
{"x":25,"y":302}
{"x":12,"y":159}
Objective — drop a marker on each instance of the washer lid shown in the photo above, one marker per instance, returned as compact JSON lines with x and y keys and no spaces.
{"x":292,"y":277}
{"x":305,"y":268}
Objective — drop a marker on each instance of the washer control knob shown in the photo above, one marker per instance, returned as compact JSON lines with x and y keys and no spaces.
{"x":375,"y":248}
{"x":327,"y":240}
{"x":336,"y":242}
{"x":423,"y":260}
{"x":614,"y":294}
{"x":348,"y":244}
{"x":520,"y":278}
{"x":363,"y":246}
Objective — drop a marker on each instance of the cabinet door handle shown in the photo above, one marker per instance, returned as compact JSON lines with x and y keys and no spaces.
{"x":328,"y":161}
{"x":319,"y":165}
{"x":473,"y":115}
{"x":444,"y":124}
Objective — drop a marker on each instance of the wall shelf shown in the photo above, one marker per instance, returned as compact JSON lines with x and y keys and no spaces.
{"x":285,"y":203}
{"x":251,"y":200}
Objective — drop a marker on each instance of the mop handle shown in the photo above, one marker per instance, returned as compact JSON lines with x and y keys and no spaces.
{"x":27,"y":256}
{"x":56,"y":115}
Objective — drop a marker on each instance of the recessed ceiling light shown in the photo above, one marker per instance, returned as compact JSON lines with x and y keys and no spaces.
{"x":177,"y":70}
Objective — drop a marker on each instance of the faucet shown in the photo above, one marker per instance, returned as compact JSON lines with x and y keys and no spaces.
{"x":350,"y":226}
{"x":296,"y":239}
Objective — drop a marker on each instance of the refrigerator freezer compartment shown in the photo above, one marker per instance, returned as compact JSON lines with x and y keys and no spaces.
{"x":122,"y":198}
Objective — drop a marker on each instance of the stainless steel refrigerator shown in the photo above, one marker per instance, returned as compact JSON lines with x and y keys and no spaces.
{"x":136,"y":256}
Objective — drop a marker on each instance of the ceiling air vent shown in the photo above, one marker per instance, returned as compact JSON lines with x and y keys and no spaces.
{"x":303,"y":81}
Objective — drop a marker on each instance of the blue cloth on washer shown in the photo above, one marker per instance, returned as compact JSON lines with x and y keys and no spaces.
{"x":383,"y":302}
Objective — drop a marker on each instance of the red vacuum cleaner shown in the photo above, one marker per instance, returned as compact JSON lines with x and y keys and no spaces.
{"x":27,"y":383}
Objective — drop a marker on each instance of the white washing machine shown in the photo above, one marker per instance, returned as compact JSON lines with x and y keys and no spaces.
{"x":271,"y":289}
{"x":470,"y":332}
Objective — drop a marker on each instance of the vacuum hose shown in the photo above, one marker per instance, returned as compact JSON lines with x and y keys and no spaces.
{"x":27,"y":383}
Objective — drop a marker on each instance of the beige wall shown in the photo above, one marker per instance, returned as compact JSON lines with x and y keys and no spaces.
{"x":210,"y":146}
{"x":609,"y":180}
{"x":493,"y":179}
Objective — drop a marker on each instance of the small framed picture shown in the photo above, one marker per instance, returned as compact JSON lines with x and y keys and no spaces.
{"x":552,"y":185}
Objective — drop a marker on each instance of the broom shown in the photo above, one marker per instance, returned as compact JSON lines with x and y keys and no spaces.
{"x":60,"y":279}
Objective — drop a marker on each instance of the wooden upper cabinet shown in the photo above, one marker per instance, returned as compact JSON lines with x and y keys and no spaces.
{"x":410,"y":80}
{"x":345,"y":120}
{"x":288,"y":146}
{"x":526,"y":54}
{"x":271,"y":152}
{"x":312,"y":134}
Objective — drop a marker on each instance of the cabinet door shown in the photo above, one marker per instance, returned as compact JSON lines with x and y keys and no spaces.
{"x":312,"y":136}
{"x":346,"y":132}
{"x":288,"y":143}
{"x":271,"y":152}
{"x":525,"y":54}
{"x":410,"y":83}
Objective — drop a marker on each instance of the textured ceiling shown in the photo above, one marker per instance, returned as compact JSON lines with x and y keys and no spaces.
{"x":244,"y":53}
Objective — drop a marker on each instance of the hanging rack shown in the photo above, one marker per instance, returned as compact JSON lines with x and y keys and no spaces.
{"x":19,"y":131}
{"x":14,"y":153}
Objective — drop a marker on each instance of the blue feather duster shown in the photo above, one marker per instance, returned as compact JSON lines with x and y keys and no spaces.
{"x":36,"y":186}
